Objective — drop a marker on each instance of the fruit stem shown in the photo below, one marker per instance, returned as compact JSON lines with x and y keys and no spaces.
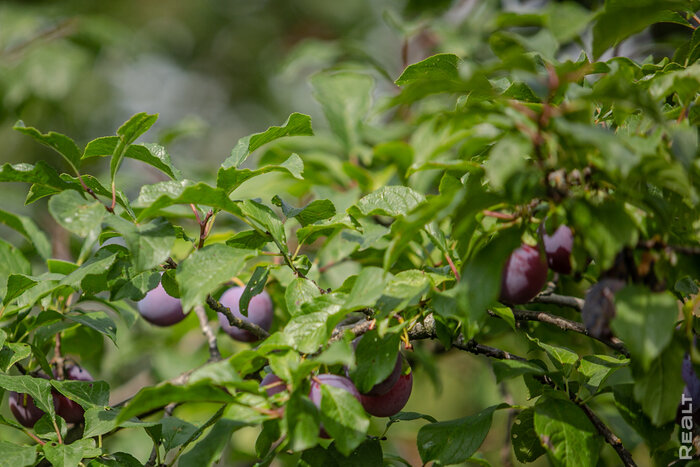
{"x":33,"y":436}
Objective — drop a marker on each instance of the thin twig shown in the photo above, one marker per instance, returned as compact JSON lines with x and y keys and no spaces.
{"x":561,"y":300}
{"x":609,"y":436}
{"x":452,"y":266}
{"x":566,"y":325}
{"x":214,"y":354}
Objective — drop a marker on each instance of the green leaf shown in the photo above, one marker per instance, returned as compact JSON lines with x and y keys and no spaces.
{"x":69,"y":455}
{"x":248,"y":240}
{"x":609,"y":31}
{"x":62,"y":144}
{"x":632,"y":412}
{"x":164,"y":394}
{"x":265,"y":219}
{"x":136,"y":126}
{"x":208,"y":451}
{"x":315,"y":211}
{"x":508,"y":369}
{"x":597,"y":368}
{"x":116,"y":459}
{"x":255,"y":286}
{"x":152,"y":154}
{"x":12,"y":353}
{"x":38,"y":388}
{"x":481,"y":280}
{"x":97,"y":320}
{"x":457,"y":440}
{"x":296,"y":125}
{"x":40,"y":175}
{"x":526,"y":444}
{"x":154,"y":198}
{"x":376,"y":359}
{"x":438,"y":67}
{"x":387,"y":201}
{"x":14,"y":455}
{"x":343,"y":418}
{"x":345,"y":98}
{"x":367,"y":289}
{"x":367,"y":454}
{"x":76,"y":214}
{"x":658,"y":389}
{"x":302,"y":421}
{"x":149,"y":243}
{"x":403,"y":290}
{"x":298,"y":292}
{"x":99,"y":421}
{"x":566,"y":433}
{"x":17,"y":284}
{"x":644,"y":321}
{"x":228,"y":179}
{"x":204,"y":270}
{"x":28,"y":228}
{"x":175,"y":432}
{"x":87,"y":394}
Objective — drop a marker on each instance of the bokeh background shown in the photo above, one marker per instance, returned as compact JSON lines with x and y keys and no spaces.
{"x":216,"y":71}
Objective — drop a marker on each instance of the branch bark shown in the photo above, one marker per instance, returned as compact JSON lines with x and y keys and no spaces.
{"x":561,"y":300}
{"x":214,"y":354}
{"x":253,"y":328}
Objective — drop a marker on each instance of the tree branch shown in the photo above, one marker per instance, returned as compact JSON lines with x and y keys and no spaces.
{"x":214,"y":354}
{"x":252,"y":328}
{"x":609,"y":436}
{"x":561,"y":300}
{"x":566,"y":325}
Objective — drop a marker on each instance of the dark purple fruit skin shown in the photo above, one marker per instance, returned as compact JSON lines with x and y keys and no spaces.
{"x":524,"y":275}
{"x":331,"y":380}
{"x":159,"y":308}
{"x":393,"y":401}
{"x":260,"y":312}
{"x":23,"y":408}
{"x":691,"y":391}
{"x":66,"y":408}
{"x":271,"y":379}
{"x":599,"y":307}
{"x":558,"y":248}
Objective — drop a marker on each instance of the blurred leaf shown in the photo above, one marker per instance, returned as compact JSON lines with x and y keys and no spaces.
{"x":164,"y":394}
{"x":97,"y":320}
{"x":566,"y":433}
{"x":609,"y":31}
{"x":99,"y":420}
{"x":14,"y":455}
{"x":302,"y":421}
{"x":345,"y":98}
{"x":508,"y":369}
{"x":28,"y":228}
{"x":440,"y":67}
{"x":249,"y":240}
{"x":62,"y":144}
{"x":75,"y":213}
{"x":343,"y":418}
{"x":388,"y":201}
{"x":204,"y":270}
{"x":644,"y":321}
{"x":457,"y":440}
{"x":367,"y":289}
{"x":632,"y":412}
{"x":296,"y":125}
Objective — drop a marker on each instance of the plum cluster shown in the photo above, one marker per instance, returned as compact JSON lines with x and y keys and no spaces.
{"x":27,"y":413}
{"x":525,"y":271}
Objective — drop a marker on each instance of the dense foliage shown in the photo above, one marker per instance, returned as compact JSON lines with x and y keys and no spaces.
{"x":515,"y":201}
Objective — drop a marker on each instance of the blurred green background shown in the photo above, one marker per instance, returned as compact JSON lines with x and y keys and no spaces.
{"x":216,"y":71}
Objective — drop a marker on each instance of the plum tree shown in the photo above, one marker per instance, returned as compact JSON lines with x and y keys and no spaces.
{"x":260,"y":312}
{"x":159,"y":308}
{"x":524,"y":275}
{"x":391,"y":402}
{"x":23,"y":408}
{"x":272,"y":384}
{"x":558,"y":248}
{"x":71,"y":411}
